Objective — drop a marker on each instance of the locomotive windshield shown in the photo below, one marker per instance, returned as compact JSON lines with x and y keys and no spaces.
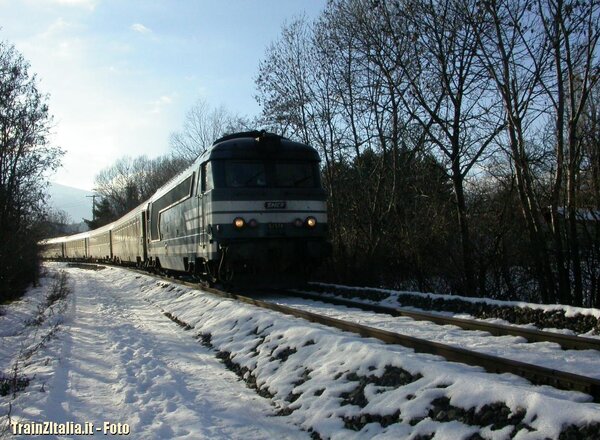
{"x":245,"y":174}
{"x":258,"y":174}
{"x":295,"y":175}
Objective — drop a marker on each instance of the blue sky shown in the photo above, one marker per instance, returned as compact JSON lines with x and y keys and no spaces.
{"x":121,"y":74}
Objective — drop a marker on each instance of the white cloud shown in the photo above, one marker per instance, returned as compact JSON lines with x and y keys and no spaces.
{"x":160,"y":103}
{"x":57,"y":26}
{"x":138,"y":27}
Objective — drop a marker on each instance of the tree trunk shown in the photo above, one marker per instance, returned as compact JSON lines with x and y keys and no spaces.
{"x":469,"y":288}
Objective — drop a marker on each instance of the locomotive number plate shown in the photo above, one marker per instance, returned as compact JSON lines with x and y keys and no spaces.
{"x":275,"y":226}
{"x":275,"y":205}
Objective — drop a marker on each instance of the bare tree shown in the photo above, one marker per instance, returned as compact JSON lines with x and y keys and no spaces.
{"x":328,"y":84}
{"x":590,"y":180}
{"x":201,"y":127}
{"x":55,"y":223}
{"x":572,"y":29}
{"x":366,"y":114}
{"x":590,"y":194}
{"x":493,"y":93}
{"x":515,"y":54}
{"x":129,"y":182}
{"x":447,"y":92}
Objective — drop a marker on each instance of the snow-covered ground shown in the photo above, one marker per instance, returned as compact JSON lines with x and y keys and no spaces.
{"x":117,"y":356}
{"x":117,"y":359}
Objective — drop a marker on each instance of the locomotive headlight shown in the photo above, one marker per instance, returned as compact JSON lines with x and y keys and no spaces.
{"x":311,"y":222}
{"x":298,"y":223}
{"x":239,"y":222}
{"x":253,"y":223}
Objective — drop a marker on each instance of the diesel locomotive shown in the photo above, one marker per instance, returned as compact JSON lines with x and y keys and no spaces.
{"x":249,"y":210}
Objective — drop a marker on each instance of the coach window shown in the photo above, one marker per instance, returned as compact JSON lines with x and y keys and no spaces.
{"x":207,"y":183}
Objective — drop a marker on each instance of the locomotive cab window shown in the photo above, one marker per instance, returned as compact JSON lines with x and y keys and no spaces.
{"x":245,"y":174}
{"x":272,"y":174}
{"x":295,"y":175}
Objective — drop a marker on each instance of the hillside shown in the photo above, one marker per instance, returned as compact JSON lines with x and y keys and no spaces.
{"x":71,"y":200}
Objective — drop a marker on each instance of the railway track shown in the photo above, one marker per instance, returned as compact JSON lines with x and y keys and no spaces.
{"x":511,"y":312}
{"x":537,"y":375}
{"x":567,"y":342}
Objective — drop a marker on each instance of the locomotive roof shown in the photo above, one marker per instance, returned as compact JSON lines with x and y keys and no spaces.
{"x":259,"y":145}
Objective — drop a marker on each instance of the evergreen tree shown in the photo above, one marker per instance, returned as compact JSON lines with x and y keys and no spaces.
{"x":103,"y":215}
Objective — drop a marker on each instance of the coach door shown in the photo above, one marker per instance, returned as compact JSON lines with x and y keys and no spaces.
{"x":144,"y":232}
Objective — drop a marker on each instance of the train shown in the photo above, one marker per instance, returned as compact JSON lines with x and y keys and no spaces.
{"x":249,"y":210}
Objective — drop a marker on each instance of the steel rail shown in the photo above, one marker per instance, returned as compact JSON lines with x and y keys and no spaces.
{"x":569,"y":342}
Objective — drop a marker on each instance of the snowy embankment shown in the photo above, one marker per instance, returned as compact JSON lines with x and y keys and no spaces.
{"x":27,"y":328}
{"x":119,"y":358}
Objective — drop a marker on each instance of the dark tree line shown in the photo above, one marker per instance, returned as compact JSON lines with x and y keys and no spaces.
{"x":459,"y":140}
{"x":128,"y":183}
{"x":26,"y":156}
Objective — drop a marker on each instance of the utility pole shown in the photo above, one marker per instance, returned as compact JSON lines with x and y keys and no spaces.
{"x":93,"y":197}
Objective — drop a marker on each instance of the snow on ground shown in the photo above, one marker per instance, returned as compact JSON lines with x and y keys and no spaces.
{"x":118,"y":358}
{"x":547,"y":354}
{"x":27,"y":327}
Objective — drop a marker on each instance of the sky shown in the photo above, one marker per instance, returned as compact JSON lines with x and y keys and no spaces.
{"x":121,"y":74}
